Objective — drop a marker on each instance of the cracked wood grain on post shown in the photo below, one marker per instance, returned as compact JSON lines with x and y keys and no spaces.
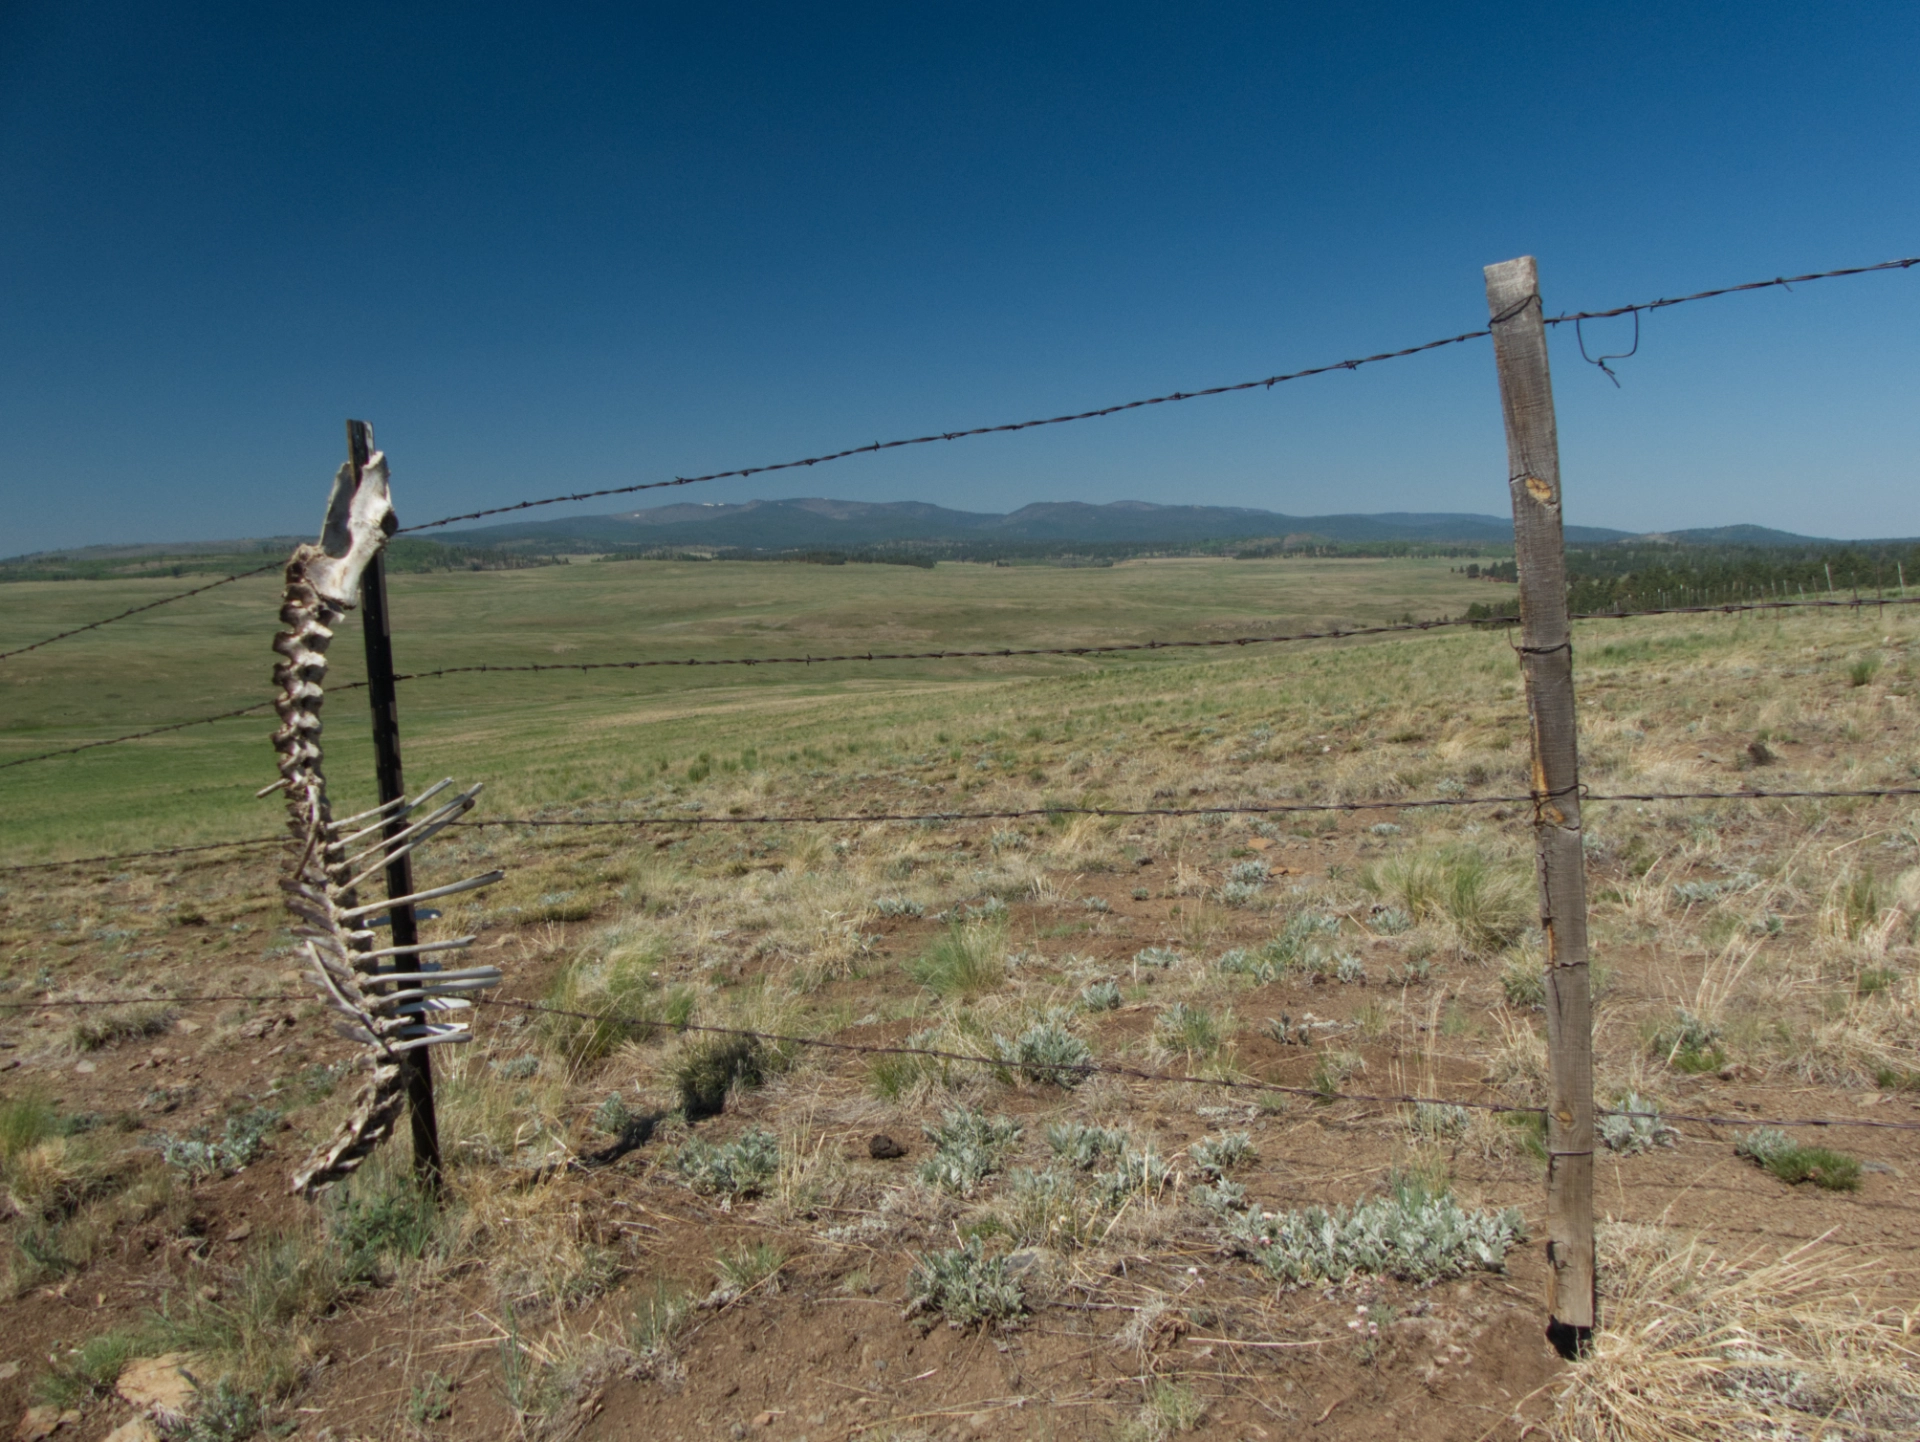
{"x":1546,"y":658}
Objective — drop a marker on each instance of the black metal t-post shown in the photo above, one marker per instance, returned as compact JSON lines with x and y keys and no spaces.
{"x":416,"y":1068}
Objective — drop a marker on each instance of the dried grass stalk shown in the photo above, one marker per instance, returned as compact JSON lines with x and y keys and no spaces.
{"x":1696,"y":1345}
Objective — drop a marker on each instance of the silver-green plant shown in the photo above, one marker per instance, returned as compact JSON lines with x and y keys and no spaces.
{"x":1438,"y":1120}
{"x":1083,"y":1147}
{"x":1411,"y":1233}
{"x":1100,"y":996}
{"x":1221,"y":1196}
{"x":967,"y":1147}
{"x":740,"y":1168}
{"x":1141,"y":1172}
{"x":1046,"y":1052}
{"x":237,"y":1146}
{"x":964,"y":1285}
{"x":1216,"y":1156}
{"x":1635,"y":1127}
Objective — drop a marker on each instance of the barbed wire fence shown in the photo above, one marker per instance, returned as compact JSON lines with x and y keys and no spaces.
{"x":1569,"y":1113}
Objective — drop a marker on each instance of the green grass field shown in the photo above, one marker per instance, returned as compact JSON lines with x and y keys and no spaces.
{"x":544,"y":738}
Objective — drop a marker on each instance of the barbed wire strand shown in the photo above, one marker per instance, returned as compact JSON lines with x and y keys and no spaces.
{"x":143,"y":855}
{"x":1119,"y":647}
{"x":1266,"y":383}
{"x":1904,"y":263}
{"x":1032,"y":813}
{"x":136,"y":610}
{"x":257,"y":706}
{"x":648,"y":1026}
{"x":1001,"y":653}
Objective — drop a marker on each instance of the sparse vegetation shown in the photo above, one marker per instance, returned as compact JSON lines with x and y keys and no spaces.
{"x":1773,"y":946}
{"x":1772,"y":1150}
{"x":1635,"y":1126}
{"x":966,"y":959}
{"x":967,"y":1147}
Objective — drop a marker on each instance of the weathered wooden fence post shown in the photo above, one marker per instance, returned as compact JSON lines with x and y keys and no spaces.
{"x":416,"y":1066}
{"x":1546,"y":658}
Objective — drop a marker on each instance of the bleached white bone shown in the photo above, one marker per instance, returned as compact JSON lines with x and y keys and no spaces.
{"x":472,"y":883}
{"x":399,"y":802}
{"x":322,"y":584}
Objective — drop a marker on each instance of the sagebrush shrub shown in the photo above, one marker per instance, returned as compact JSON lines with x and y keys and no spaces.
{"x":1046,"y":1052}
{"x":964,"y":1285}
{"x":1216,"y":1156}
{"x":739,"y":1168}
{"x":967,"y":1147}
{"x":1082,"y":1146}
{"x":1637,"y":1133}
{"x":1412,"y":1233}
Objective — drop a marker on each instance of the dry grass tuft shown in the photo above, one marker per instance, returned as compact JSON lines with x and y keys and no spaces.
{"x":1695,"y":1345}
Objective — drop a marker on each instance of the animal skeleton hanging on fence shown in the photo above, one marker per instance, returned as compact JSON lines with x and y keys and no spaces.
{"x":407,"y":1003}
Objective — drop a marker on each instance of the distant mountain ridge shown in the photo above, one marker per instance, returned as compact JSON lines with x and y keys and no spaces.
{"x":820,"y":522}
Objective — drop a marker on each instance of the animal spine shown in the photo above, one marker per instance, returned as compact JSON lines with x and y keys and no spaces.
{"x":409,"y":1003}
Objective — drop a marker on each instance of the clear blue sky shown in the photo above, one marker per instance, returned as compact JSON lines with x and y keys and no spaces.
{"x":556,"y":247}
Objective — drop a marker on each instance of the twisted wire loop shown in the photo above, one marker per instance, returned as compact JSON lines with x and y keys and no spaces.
{"x":391,"y":1009}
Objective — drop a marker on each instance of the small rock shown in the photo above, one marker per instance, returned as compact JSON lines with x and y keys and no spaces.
{"x":9,"y":1370}
{"x":186,"y":1025}
{"x":137,"y":1429}
{"x":765,"y":1419}
{"x":241,"y":1232}
{"x":84,"y":1067}
{"x":1021,"y":1262}
{"x":159,"y":1385}
{"x":42,"y":1422}
{"x":883,"y":1148}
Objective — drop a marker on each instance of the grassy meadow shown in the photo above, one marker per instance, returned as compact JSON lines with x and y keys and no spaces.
{"x":702,"y":1236}
{"x":553,"y":737}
